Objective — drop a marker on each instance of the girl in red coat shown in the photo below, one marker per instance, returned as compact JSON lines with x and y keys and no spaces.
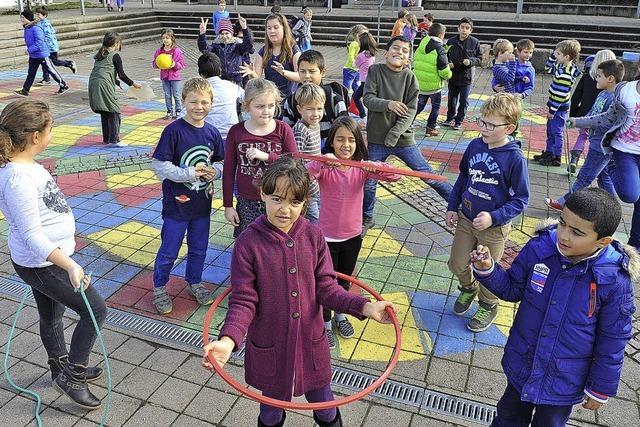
{"x":281,"y":277}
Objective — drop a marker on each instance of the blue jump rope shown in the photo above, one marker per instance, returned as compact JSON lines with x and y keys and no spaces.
{"x":107,"y":369}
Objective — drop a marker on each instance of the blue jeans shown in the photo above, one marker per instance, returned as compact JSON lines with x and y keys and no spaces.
{"x":513,"y":412}
{"x":350,"y":79}
{"x":53,"y":293}
{"x":313,"y":209}
{"x":413,"y":158}
{"x":457,"y":94}
{"x":357,"y":99}
{"x":436,"y":100}
{"x":626,"y":179}
{"x":172,"y":234}
{"x":555,"y":132}
{"x":595,"y":166}
{"x":171,"y":89}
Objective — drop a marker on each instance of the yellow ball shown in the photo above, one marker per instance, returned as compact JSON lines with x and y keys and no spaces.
{"x":164,"y":61}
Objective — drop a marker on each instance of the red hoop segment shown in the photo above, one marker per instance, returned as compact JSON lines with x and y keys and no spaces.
{"x":305,"y":406}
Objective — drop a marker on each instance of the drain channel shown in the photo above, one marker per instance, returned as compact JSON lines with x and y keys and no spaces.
{"x":393,"y":391}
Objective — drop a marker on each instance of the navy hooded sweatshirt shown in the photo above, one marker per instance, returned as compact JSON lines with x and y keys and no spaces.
{"x":491,"y":180}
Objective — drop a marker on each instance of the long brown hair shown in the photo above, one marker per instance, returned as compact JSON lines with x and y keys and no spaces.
{"x":286,"y":49}
{"x":17,"y":121}
{"x":110,"y":40}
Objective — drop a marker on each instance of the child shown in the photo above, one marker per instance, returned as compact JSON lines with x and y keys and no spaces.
{"x":41,"y":242}
{"x":170,"y":77}
{"x":583,"y":98}
{"x":464,"y":54}
{"x":623,"y":138}
{"x":311,"y":69}
{"x":431,"y":67}
{"x":38,"y":51}
{"x":410,"y":31}
{"x":221,"y":14}
{"x":52,"y":42}
{"x":427,"y":21}
{"x":574,"y":285}
{"x":491,"y":190}
{"x":102,"y":91}
{"x":249,"y":148}
{"x":365,"y":59}
{"x":608,"y":75}
{"x":350,"y":74}
{"x":504,"y":65}
{"x":277,"y":60}
{"x":182,"y":161}
{"x":310,"y":100}
{"x":341,"y":195}
{"x":109,"y":7}
{"x":398,"y":26}
{"x":564,"y":71}
{"x":525,"y":73}
{"x":226,"y":95}
{"x":302,"y":30}
{"x":229,"y":49}
{"x":120,"y":4}
{"x":281,"y":277}
{"x":391,"y":95}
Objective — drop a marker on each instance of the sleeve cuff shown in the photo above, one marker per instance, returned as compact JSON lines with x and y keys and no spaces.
{"x":598,"y":397}
{"x":483,"y":273}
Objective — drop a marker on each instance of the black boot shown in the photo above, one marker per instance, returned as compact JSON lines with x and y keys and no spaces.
{"x":280,"y":424}
{"x":337,"y":421}
{"x":56,"y":365}
{"x":72,"y":381}
{"x":541,"y":156}
{"x":573,"y":160}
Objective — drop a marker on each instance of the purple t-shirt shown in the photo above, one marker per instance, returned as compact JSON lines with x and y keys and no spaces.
{"x":185,"y":145}
{"x":285,"y":86}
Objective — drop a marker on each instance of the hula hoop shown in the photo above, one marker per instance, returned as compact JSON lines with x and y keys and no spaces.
{"x":305,"y":406}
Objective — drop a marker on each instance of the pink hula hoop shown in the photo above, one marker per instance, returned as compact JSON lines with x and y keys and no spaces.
{"x":306,"y":406}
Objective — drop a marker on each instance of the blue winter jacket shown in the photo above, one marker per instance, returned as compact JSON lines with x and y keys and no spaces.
{"x":34,"y":39}
{"x":573,"y":322}
{"x":231,"y":54}
{"x":492,"y":180}
{"x":49,"y":35}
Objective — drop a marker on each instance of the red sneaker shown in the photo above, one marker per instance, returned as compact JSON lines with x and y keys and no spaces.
{"x":553,"y":204}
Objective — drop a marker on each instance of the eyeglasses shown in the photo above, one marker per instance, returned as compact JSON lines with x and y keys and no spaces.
{"x":489,"y":126}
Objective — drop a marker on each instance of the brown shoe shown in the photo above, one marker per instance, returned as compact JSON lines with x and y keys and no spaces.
{"x":431,"y":132}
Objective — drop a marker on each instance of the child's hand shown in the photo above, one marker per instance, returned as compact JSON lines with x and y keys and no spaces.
{"x":220,"y":350}
{"x":137,"y":85}
{"x":231,"y":215}
{"x":377,"y":311}
{"x":591,"y":404}
{"x":550,"y":115}
{"x":205,"y":172}
{"x":243,"y":22}
{"x":571,"y":122}
{"x":397,"y":107}
{"x":332,"y":164}
{"x":482,"y":221}
{"x":257,"y":154}
{"x":526,"y":79}
{"x":247,"y":70}
{"x":466,"y":62}
{"x":509,"y":57}
{"x":203,"y":25}
{"x":451,"y":218}
{"x":77,"y":276}
{"x":498,"y":88}
{"x":371,"y":167}
{"x":481,"y":258}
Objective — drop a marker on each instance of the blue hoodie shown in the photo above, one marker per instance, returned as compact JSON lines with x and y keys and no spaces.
{"x":36,"y":44}
{"x":522,"y":70}
{"x":491,"y":180}
{"x":49,"y":35}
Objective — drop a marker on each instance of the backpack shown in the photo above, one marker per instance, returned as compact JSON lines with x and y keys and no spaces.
{"x":293,"y":21}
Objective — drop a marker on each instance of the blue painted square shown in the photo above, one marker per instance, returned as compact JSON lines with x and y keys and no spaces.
{"x":122,"y":273}
{"x":83,"y":259}
{"x":214,"y":274}
{"x":82,"y":228}
{"x":429,"y":301}
{"x":128,"y":212}
{"x":145,"y":216}
{"x":92,"y":229}
{"x":92,"y":204}
{"x":427,"y":320}
{"x":492,"y":336}
{"x":101,"y":266}
{"x":455,"y":326}
{"x":105,"y":196}
{"x":75,"y":201}
{"x":93,"y":218}
{"x":180,"y":269}
{"x":212,"y":254}
{"x":224,"y":260}
{"x":110,"y":221}
{"x":92,"y":250}
{"x":451,"y":345}
{"x":106,"y":287}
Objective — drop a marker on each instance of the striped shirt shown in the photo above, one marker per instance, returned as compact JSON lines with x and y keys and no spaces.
{"x":564,"y":76}
{"x":505,"y":75}
{"x":308,"y":141}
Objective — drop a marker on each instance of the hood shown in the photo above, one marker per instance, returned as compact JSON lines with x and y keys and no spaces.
{"x":630,"y":259}
{"x":512,"y":145}
{"x":234,"y":40}
{"x":432,"y":44}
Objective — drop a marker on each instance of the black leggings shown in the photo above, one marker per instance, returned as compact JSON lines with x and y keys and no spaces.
{"x":110,"y":126}
{"x":344,"y":256}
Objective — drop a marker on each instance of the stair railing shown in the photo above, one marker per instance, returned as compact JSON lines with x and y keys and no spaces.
{"x":379,"y":12}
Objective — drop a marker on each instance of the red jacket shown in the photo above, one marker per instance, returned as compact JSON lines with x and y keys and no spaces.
{"x":279,"y":284}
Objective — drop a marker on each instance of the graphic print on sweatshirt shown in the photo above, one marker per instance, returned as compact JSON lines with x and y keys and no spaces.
{"x":255,"y":168}
{"x":193,"y":156}
{"x":482,"y":167}
{"x":54,"y":199}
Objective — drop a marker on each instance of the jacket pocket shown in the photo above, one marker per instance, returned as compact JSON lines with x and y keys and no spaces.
{"x":570,"y":377}
{"x":517,"y":358}
{"x":320,"y":352}
{"x":261,"y":359}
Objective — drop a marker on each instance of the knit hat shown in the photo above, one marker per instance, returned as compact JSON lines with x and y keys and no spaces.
{"x":225,"y":25}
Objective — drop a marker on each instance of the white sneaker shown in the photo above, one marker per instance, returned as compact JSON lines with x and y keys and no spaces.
{"x":121,"y":144}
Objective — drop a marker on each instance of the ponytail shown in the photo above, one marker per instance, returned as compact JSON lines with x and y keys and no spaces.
{"x":110,"y":40}
{"x":18,"y":120}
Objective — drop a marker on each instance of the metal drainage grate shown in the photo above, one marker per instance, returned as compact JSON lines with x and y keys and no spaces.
{"x":447,"y":404}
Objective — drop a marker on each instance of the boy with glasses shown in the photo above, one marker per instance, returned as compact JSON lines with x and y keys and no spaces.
{"x":491,"y":190}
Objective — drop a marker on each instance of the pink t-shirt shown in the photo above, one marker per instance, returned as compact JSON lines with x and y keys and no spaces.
{"x":341,"y":196}
{"x":363,"y":61}
{"x":239,"y":169}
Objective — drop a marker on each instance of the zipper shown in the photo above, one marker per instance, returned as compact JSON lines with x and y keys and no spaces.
{"x":592,"y":299}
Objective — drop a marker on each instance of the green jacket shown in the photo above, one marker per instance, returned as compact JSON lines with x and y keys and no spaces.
{"x":431,"y":65}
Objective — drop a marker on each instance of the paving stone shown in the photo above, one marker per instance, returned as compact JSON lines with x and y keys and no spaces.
{"x":175,"y":394}
{"x":447,"y":374}
{"x":119,"y":370}
{"x":619,"y":413}
{"x":165,"y":360}
{"x":134,"y":351}
{"x":185,"y":420}
{"x":488,"y":357}
{"x":380,"y":415}
{"x":212,"y":405}
{"x":112,"y":340}
{"x":122,"y":408}
{"x":23,"y":374}
{"x":152,"y":415}
{"x":8,"y":309}
{"x":141,"y":383}
{"x":486,"y":383}
{"x":19,"y":410}
{"x":24,"y":344}
{"x":191,"y":370}
{"x":55,"y":417}
{"x":422,"y":421}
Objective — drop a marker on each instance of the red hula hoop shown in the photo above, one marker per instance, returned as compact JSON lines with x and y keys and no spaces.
{"x":305,"y":406}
